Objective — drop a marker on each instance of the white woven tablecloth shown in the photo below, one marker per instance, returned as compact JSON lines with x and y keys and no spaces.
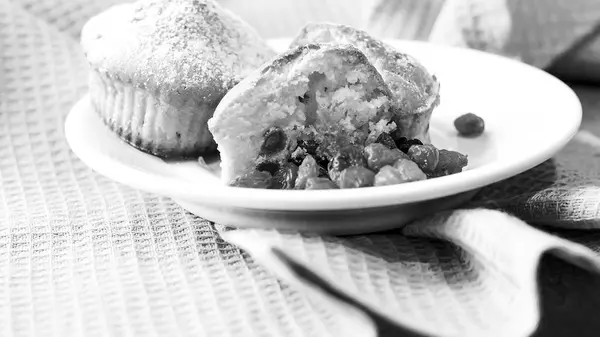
{"x":81,"y":255}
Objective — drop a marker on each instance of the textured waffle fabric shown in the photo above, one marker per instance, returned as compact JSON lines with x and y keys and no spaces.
{"x":81,"y":255}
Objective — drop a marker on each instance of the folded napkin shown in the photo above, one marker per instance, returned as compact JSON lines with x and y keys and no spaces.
{"x":487,"y":287}
{"x":81,"y":255}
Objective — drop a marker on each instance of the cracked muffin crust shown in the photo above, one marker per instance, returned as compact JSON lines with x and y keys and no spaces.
{"x":415,"y":90}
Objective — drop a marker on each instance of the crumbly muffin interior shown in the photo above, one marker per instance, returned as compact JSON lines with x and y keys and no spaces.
{"x":338,"y":105}
{"x":330,"y":95}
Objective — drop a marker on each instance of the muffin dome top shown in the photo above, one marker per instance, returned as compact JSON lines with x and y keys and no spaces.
{"x":414,"y":88}
{"x":182,"y":49}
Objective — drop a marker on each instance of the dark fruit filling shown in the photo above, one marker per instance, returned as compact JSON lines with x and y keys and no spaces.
{"x":298,"y":156}
{"x":386,"y":140}
{"x":275,"y":141}
{"x":308,"y":145}
{"x":450,"y":162}
{"x":303,"y":99}
{"x":254,"y":179}
{"x":404,"y":144}
{"x":285,"y":177}
{"x":390,"y":160}
{"x":268,"y":166}
{"x":379,"y":156}
{"x":308,"y":169}
{"x":356,"y":176}
{"x":426,"y":156}
{"x":347,"y":157}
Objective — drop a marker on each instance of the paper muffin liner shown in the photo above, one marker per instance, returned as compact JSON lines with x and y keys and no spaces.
{"x":146,"y":122}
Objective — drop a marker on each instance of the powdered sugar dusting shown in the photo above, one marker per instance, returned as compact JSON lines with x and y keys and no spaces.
{"x":186,"y":48}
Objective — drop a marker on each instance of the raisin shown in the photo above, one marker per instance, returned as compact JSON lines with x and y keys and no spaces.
{"x":320,"y":183}
{"x":285,"y":177}
{"x":379,"y":156}
{"x":346,"y":157}
{"x":298,"y":156}
{"x":355,"y":177}
{"x":405,"y":144}
{"x":469,"y":125}
{"x":389,"y":175}
{"x":409,"y":170}
{"x":386,"y":140}
{"x":303,"y":99}
{"x":309,"y":145}
{"x":323,"y":170}
{"x":426,"y":156}
{"x":323,"y":164}
{"x":309,"y":168}
{"x":268,"y":166}
{"x":254,"y":179}
{"x":274,"y":141}
{"x":451,"y":162}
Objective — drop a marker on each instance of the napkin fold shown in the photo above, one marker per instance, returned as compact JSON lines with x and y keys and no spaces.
{"x":81,"y":255}
{"x":563,"y":192}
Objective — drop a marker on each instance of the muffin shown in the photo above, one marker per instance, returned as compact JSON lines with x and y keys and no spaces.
{"x":415,"y":90}
{"x":328,"y":96}
{"x":159,"y":68}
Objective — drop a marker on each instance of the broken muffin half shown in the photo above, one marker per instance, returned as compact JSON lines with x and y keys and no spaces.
{"x":314,"y":99}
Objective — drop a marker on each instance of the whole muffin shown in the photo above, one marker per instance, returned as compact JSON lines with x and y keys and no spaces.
{"x":415,"y":90}
{"x":159,"y":68}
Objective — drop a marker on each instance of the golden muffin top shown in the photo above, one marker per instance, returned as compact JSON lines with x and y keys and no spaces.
{"x":180,"y":49}
{"x":414,"y":88}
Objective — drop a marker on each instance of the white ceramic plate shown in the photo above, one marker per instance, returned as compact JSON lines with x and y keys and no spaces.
{"x":529,"y":116}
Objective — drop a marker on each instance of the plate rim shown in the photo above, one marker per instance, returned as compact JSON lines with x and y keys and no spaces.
{"x":335,"y":199}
